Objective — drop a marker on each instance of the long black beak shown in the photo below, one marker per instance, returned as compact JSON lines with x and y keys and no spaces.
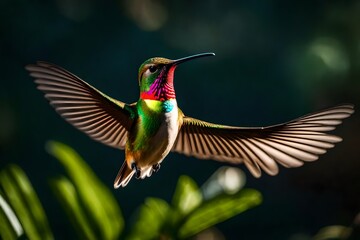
{"x":185,"y":59}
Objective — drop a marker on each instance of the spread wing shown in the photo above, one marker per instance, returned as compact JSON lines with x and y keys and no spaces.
{"x":289,"y":144}
{"x":101,"y":117}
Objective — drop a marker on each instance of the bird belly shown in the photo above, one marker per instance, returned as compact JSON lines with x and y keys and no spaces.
{"x":161,"y":143}
{"x":166,"y":136}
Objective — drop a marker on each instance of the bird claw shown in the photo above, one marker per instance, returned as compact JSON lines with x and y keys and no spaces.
{"x":137,"y":170}
{"x":156,"y":167}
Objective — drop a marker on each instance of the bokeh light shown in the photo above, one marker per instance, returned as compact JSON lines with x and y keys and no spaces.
{"x":149,"y":15}
{"x":225,"y":179}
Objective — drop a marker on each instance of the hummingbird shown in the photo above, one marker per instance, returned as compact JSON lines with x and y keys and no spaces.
{"x":153,"y":126}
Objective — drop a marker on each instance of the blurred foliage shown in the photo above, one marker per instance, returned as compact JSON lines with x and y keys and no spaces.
{"x":189,"y":213}
{"x":22,"y":206}
{"x":95,"y":213}
{"x":335,"y":232}
{"x":87,"y":201}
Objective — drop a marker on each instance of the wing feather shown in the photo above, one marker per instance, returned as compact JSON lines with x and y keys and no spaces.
{"x":104,"y":119}
{"x":289,"y":144}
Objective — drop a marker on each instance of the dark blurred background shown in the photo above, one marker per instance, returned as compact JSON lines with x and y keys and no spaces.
{"x":275,"y":60}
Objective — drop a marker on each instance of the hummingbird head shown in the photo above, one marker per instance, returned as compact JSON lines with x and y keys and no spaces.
{"x":156,"y":77}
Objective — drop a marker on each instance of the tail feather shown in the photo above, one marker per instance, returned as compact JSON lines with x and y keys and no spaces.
{"x":124,"y":175}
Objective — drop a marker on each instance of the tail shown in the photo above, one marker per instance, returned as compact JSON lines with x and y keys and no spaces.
{"x":124,"y":175}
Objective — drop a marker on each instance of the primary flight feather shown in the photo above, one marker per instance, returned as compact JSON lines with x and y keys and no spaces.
{"x":154,"y":125}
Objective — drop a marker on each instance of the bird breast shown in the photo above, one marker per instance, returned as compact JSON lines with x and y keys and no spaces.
{"x":168,"y":130}
{"x":163,"y":115}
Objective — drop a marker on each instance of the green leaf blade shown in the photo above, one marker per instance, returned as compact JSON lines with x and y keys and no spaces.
{"x":150,"y":220}
{"x":66,"y":193}
{"x":24,"y":201}
{"x":187,"y":195}
{"x":101,"y":206}
{"x":99,"y":203}
{"x":10,"y":227}
{"x":218,"y":210}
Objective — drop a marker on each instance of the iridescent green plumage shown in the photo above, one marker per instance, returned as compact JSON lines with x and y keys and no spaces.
{"x":154,"y":125}
{"x":149,"y":121}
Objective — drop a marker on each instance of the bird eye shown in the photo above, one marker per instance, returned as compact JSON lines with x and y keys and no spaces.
{"x":153,"y":68}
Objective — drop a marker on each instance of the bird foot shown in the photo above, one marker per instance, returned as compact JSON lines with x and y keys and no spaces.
{"x":156,"y":167}
{"x":137,"y":170}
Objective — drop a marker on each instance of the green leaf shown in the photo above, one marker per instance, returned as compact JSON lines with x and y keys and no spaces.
{"x":217,"y":210}
{"x":69,"y":199}
{"x":187,"y":195}
{"x":20,"y":193}
{"x":10,"y":227}
{"x":100,"y":205}
{"x":151,"y":218}
{"x":333,"y":232}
